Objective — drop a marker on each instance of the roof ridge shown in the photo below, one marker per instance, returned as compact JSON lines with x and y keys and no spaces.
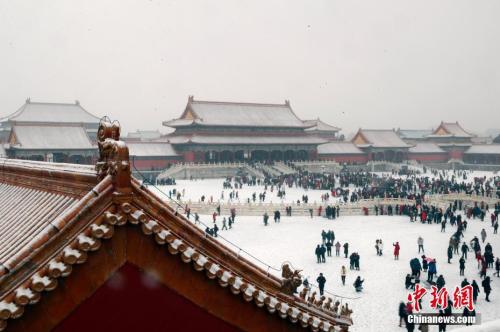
{"x":239,"y":103}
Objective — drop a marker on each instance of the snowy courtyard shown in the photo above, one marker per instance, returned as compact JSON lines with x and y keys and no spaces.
{"x":294,"y":240}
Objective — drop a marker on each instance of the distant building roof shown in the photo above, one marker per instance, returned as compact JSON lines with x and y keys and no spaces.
{"x":450,"y":129}
{"x":51,"y":112}
{"x":338,"y":148}
{"x":414,"y":133}
{"x":484,"y":149}
{"x":318,"y":125}
{"x":214,"y":113}
{"x":245,"y":140}
{"x":426,"y":148}
{"x":144,"y":135}
{"x":34,"y":137}
{"x":151,"y":149}
{"x":378,"y":138}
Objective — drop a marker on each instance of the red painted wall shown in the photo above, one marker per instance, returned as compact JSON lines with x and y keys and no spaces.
{"x":134,"y":301}
{"x":148,"y":164}
{"x":189,"y":156}
{"x":456,"y":154}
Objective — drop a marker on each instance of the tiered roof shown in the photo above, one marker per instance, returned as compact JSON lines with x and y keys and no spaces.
{"x":53,"y":215}
{"x":63,"y":137}
{"x":318,"y":125}
{"x":238,"y":139}
{"x":216,"y":113}
{"x":339,"y":148}
{"x":414,"y":134}
{"x":484,"y":149}
{"x":426,"y":148}
{"x":450,"y":129}
{"x":378,"y":138}
{"x":36,"y":112}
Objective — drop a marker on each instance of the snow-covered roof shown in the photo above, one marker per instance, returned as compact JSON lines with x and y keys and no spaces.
{"x":51,"y":112}
{"x":450,"y":129}
{"x":228,"y":140}
{"x":214,"y":113}
{"x":414,"y":133}
{"x":144,"y":134}
{"x":379,"y":138}
{"x":151,"y":149}
{"x":43,"y":137}
{"x":426,"y":148}
{"x":484,"y":149}
{"x":318,"y":125}
{"x":338,"y":148}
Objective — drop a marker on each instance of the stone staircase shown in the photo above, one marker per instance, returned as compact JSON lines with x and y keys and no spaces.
{"x":284,"y":168}
{"x":185,"y":171}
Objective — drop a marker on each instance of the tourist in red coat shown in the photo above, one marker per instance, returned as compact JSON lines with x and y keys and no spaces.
{"x":396,"y":250}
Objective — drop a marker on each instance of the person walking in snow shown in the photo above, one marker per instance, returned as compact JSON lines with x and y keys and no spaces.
{"x":318,"y":254}
{"x":465,"y":250}
{"x":487,"y":287}
{"x":462,"y":265}
{"x":224,"y":224}
{"x":497,"y":267}
{"x":343,"y":274}
{"x":337,"y":248}
{"x":450,"y":254}
{"x":346,"y":249}
{"x":396,"y":250}
{"x":420,"y":242}
{"x":321,"y":280}
{"x":483,"y":235}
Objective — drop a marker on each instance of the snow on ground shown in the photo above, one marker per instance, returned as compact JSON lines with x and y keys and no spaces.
{"x":193,"y":190}
{"x":295,"y":238}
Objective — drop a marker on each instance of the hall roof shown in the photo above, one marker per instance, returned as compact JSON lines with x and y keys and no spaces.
{"x":450,"y":129}
{"x":216,"y":113}
{"x":426,"y":148}
{"x":414,"y":133}
{"x":378,"y":138}
{"x":484,"y":149}
{"x":318,"y":125}
{"x":338,"y":148}
{"x":51,"y":112}
{"x":41,"y":137}
{"x":244,"y":140}
{"x":54,"y":215}
{"x":151,"y":149}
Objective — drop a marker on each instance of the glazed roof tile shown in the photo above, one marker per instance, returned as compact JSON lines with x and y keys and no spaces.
{"x":51,"y":112}
{"x":34,"y":137}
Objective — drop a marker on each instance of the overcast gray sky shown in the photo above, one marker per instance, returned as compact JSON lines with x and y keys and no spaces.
{"x":371,"y":64}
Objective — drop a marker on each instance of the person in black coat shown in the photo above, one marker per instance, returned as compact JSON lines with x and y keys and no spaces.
{"x":321,"y":280}
{"x":358,"y":284}
{"x":487,"y":287}
{"x":440,"y":282}
{"x":318,"y":254}
{"x":475,"y":290}
{"x":450,"y":254}
{"x":462,"y":265}
{"x":329,"y":248}
{"x":346,"y":249}
{"x":402,"y":313}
